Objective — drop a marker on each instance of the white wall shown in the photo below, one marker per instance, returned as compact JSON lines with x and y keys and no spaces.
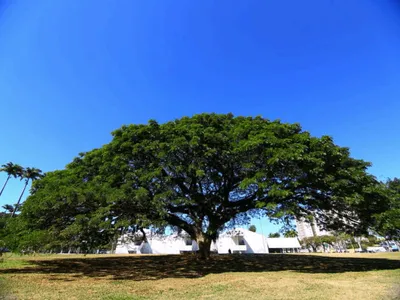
{"x":257,"y":243}
{"x":157,"y":245}
{"x":254,"y":242}
{"x":175,"y":244}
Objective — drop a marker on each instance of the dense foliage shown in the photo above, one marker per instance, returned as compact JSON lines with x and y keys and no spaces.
{"x":388,"y":221}
{"x":201,"y":174}
{"x":274,"y":235}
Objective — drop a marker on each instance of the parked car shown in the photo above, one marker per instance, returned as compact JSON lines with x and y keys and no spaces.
{"x":390,"y":246}
{"x":376,"y":249}
{"x":360,"y":250}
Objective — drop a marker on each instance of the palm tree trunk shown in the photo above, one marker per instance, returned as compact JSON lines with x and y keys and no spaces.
{"x":19,"y":200}
{"x":204,"y":243}
{"x":2,"y":189}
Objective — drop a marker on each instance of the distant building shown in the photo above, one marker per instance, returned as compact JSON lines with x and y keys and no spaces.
{"x":233,"y":241}
{"x":241,"y":240}
{"x":307,"y":229}
{"x":283,"y":245}
{"x":344,"y":222}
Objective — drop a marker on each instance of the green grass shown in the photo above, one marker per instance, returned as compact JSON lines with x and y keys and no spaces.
{"x":274,"y":276}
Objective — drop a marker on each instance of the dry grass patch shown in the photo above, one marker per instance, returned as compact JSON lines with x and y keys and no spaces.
{"x":350,"y":276}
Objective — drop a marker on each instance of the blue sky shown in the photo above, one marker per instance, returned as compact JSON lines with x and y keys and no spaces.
{"x":73,"y":71}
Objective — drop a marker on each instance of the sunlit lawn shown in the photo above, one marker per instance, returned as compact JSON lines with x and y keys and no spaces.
{"x":273,"y":276}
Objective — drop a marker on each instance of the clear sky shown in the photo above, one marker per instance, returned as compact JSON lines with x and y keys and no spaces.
{"x":73,"y":71}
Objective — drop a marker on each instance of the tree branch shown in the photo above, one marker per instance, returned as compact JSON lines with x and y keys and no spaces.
{"x":176,"y":221}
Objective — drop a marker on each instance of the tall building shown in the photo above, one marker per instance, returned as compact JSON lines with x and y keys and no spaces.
{"x":307,"y":229}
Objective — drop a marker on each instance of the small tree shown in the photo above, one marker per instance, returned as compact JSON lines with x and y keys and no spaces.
{"x":274,"y":235}
{"x":253,"y":228}
{"x":290,"y":234}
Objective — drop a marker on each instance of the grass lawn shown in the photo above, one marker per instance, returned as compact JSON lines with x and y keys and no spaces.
{"x":273,"y":276}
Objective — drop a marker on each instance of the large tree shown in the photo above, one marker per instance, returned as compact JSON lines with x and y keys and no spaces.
{"x":206,"y":172}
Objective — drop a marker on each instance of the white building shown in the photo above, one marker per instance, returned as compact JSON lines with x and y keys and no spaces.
{"x":241,"y":241}
{"x":156,"y":244}
{"x":283,"y":245}
{"x":233,"y":241}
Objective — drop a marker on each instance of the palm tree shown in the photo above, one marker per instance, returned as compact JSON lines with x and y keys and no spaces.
{"x":9,"y":208}
{"x":29,"y":174}
{"x":11,"y":170}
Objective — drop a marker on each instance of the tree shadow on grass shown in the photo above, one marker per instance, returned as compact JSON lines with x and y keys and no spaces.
{"x":181,"y":266}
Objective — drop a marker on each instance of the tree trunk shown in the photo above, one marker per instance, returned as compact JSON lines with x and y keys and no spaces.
{"x":314,"y":247}
{"x":144,"y":235}
{"x":19,"y":200}
{"x":2,"y":189}
{"x":114,"y":243}
{"x":204,"y":243}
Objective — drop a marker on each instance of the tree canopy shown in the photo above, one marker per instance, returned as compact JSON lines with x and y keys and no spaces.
{"x":202,"y":174}
{"x":388,"y":220}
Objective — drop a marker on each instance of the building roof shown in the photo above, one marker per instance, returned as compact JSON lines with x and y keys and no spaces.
{"x":283,"y":243}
